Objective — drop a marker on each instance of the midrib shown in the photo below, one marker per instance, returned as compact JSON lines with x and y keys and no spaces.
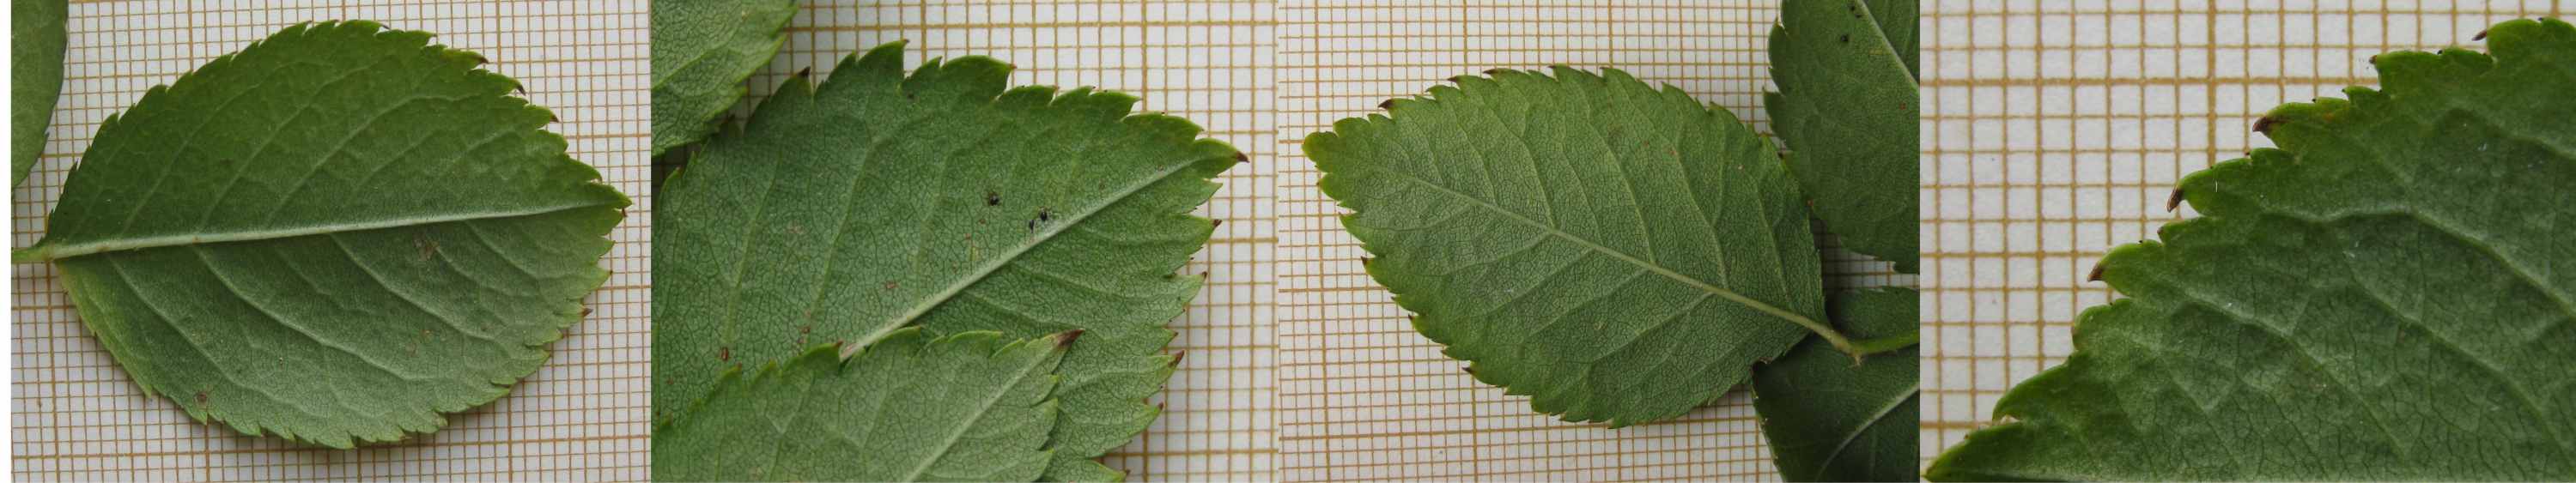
{"x":1721,"y":292}
{"x":45,"y":252}
{"x":986,"y":270}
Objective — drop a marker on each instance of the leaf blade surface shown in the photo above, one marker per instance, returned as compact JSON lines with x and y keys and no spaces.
{"x":1847,"y":111}
{"x":702,"y":52}
{"x":2380,"y":298}
{"x":243,"y":247}
{"x":36,"y":52}
{"x":1618,"y":252}
{"x":879,"y":200}
{"x":966,"y":407}
{"x":1827,"y":420}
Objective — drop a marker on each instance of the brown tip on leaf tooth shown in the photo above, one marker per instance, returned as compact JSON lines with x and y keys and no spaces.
{"x":1457,"y":79}
{"x":1240,"y":158}
{"x":2264,"y":125}
{"x":1215,"y":223}
{"x":1365,"y":259}
{"x":1494,"y":71}
{"x":2096,"y":276}
{"x":2174,"y":200}
{"x":1178,"y":356}
{"x":585,"y":311}
{"x":807,"y":72}
{"x":2482,"y":35}
{"x":1387,"y":104}
{"x":1067,"y":338}
{"x":1471,"y":370}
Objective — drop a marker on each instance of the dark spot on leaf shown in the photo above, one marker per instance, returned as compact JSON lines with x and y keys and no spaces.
{"x":724,"y":353}
{"x":1846,"y":38}
{"x":201,"y":397}
{"x":992,"y":198}
{"x":893,"y":284}
{"x":2264,"y":125}
{"x":1046,"y":214}
{"x":2174,"y":201}
{"x":2096,"y":276}
{"x":1033,"y":225}
{"x":808,"y":329}
{"x":428,"y":247}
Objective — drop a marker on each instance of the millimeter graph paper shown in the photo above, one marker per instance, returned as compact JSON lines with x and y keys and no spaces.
{"x":2054,"y":131}
{"x":1207,"y":61}
{"x":584,"y":415}
{"x":1363,"y":397}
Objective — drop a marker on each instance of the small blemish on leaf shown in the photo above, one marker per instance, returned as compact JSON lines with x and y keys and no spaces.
{"x":1046,"y":214}
{"x":1846,"y":38}
{"x":201,"y":397}
{"x":724,"y":353}
{"x":893,"y":284}
{"x":992,"y":198}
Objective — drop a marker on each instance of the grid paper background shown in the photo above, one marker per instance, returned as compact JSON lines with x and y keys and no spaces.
{"x":1363,"y":397}
{"x":2056,"y":130}
{"x":585,"y":415}
{"x":1208,"y":61}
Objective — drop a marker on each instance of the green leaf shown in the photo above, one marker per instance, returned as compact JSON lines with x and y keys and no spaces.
{"x":333,"y":235}
{"x":36,"y":43}
{"x":876,"y":201}
{"x":2385,"y":297}
{"x":1619,"y":253}
{"x":702,"y":52}
{"x":1830,"y":421}
{"x":1847,"y":110}
{"x":966,"y":407}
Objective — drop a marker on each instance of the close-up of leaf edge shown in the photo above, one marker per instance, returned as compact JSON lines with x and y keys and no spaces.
{"x":2435,"y":203}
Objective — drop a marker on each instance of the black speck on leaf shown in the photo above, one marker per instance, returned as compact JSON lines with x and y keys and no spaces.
{"x":1846,"y":38}
{"x":1046,"y":214}
{"x":992,"y":198}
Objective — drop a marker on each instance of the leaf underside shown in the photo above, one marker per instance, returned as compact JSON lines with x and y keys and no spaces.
{"x":1829,"y":421}
{"x":2385,"y":297}
{"x":1619,"y":253}
{"x":877,"y":201}
{"x":966,"y":407}
{"x":334,"y":235}
{"x":702,"y":52}
{"x":36,"y":43}
{"x":1847,"y":110}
